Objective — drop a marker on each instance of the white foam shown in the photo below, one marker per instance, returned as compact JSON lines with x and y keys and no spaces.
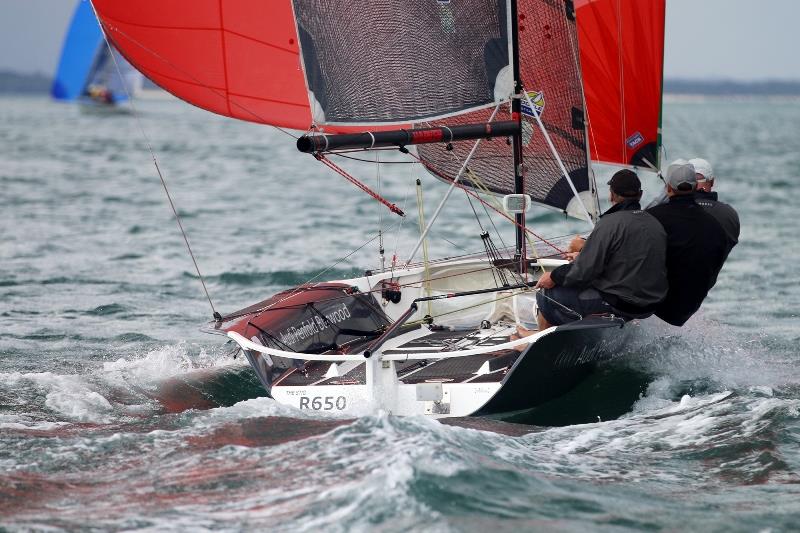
{"x":70,"y":396}
{"x":160,"y":364}
{"x":157,"y":364}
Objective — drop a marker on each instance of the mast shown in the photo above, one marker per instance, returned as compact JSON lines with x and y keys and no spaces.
{"x":516,"y":103}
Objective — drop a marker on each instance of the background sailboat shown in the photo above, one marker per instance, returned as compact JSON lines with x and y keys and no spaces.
{"x":89,"y":72}
{"x":438,"y":71}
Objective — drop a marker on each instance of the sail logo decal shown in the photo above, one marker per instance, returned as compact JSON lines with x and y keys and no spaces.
{"x":537,"y":99}
{"x":634,"y":140}
{"x":314,"y":325}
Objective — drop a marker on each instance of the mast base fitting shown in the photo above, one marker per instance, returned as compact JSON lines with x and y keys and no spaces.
{"x":391,"y":292}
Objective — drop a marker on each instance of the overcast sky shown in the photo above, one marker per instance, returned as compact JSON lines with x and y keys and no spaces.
{"x":737,"y":39}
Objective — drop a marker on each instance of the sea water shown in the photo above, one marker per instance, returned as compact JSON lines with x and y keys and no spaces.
{"x":117,"y":413}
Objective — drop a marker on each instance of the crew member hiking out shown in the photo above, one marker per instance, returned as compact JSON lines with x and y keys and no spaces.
{"x":621,"y":268}
{"x":722,"y":212}
{"x":696,"y":246}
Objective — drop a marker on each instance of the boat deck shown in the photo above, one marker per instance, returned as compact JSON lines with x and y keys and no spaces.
{"x":482,"y":368}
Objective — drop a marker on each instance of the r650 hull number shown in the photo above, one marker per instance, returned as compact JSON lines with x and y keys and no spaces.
{"x":323,"y":403}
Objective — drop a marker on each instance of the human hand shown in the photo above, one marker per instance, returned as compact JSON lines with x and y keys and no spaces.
{"x":570,"y":256}
{"x":576,"y":244}
{"x":545,"y":282}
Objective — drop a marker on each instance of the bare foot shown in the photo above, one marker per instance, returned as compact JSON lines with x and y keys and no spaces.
{"x":521,"y":333}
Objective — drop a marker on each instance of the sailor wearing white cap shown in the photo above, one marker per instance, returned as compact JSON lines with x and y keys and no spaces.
{"x":722,"y":213}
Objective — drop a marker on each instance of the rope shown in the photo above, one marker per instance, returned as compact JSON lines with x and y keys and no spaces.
{"x":478,"y":183}
{"x":381,"y":251}
{"x":339,"y":154}
{"x":376,"y":290}
{"x":307,"y":282}
{"x":339,"y":170}
{"x":400,"y":226}
{"x":214,"y":312}
{"x":421,"y":220}
{"x":503,"y":214}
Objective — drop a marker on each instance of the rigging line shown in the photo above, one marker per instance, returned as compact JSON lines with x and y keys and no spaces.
{"x":558,"y":158}
{"x":472,"y":177}
{"x":342,"y":172}
{"x":485,"y":209}
{"x":337,"y":154}
{"x":414,"y":284}
{"x":378,"y":289}
{"x":476,"y":180}
{"x":214,"y":312}
{"x":380,"y":212}
{"x":486,"y":302}
{"x":320,"y":273}
{"x":400,"y":226}
{"x":219,"y":93}
{"x":449,"y":191}
{"x":474,"y":212}
{"x":453,"y":244}
{"x":426,"y":284}
{"x":278,"y":343}
{"x":587,"y":135}
{"x":504,"y":215}
{"x":589,"y":130}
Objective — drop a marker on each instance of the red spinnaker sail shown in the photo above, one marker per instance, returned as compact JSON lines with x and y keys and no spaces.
{"x":241,"y":58}
{"x":238,"y":58}
{"x":622,"y":55}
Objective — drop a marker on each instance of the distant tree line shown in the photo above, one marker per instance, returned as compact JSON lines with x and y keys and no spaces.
{"x":14,"y":82}
{"x":732,"y":88}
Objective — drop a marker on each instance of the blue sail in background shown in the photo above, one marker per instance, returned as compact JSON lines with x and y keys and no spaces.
{"x":86,"y":63}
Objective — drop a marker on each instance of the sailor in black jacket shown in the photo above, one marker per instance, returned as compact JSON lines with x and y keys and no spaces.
{"x":722,"y":212}
{"x":697,"y":246}
{"x":621,"y":268}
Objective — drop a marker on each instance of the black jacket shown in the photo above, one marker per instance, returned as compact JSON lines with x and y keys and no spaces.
{"x":722,"y":213}
{"x":624,"y":259}
{"x":696,"y":249}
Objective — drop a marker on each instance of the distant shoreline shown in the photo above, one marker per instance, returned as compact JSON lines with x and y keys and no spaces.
{"x":726,"y":88}
{"x":674,"y":89}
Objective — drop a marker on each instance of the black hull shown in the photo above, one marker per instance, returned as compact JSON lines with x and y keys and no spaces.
{"x":556,"y":363}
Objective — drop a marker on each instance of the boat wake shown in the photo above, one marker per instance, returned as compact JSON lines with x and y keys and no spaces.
{"x":691,"y":417}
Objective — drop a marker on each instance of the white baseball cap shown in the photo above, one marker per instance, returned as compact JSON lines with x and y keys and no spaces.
{"x":703,"y":167}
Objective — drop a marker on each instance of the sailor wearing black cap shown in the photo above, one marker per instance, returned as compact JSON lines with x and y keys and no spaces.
{"x":621,"y":268}
{"x":697,"y":246}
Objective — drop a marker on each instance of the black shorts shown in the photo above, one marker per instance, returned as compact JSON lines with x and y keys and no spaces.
{"x":570,"y":304}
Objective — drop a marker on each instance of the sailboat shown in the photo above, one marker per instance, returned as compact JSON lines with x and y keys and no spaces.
{"x":508,"y":100}
{"x":89,"y":71}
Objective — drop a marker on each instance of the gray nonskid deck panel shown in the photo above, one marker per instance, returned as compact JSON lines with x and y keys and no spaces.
{"x":453,"y":370}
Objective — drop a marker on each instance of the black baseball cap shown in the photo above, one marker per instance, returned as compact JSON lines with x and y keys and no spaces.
{"x":625,"y":183}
